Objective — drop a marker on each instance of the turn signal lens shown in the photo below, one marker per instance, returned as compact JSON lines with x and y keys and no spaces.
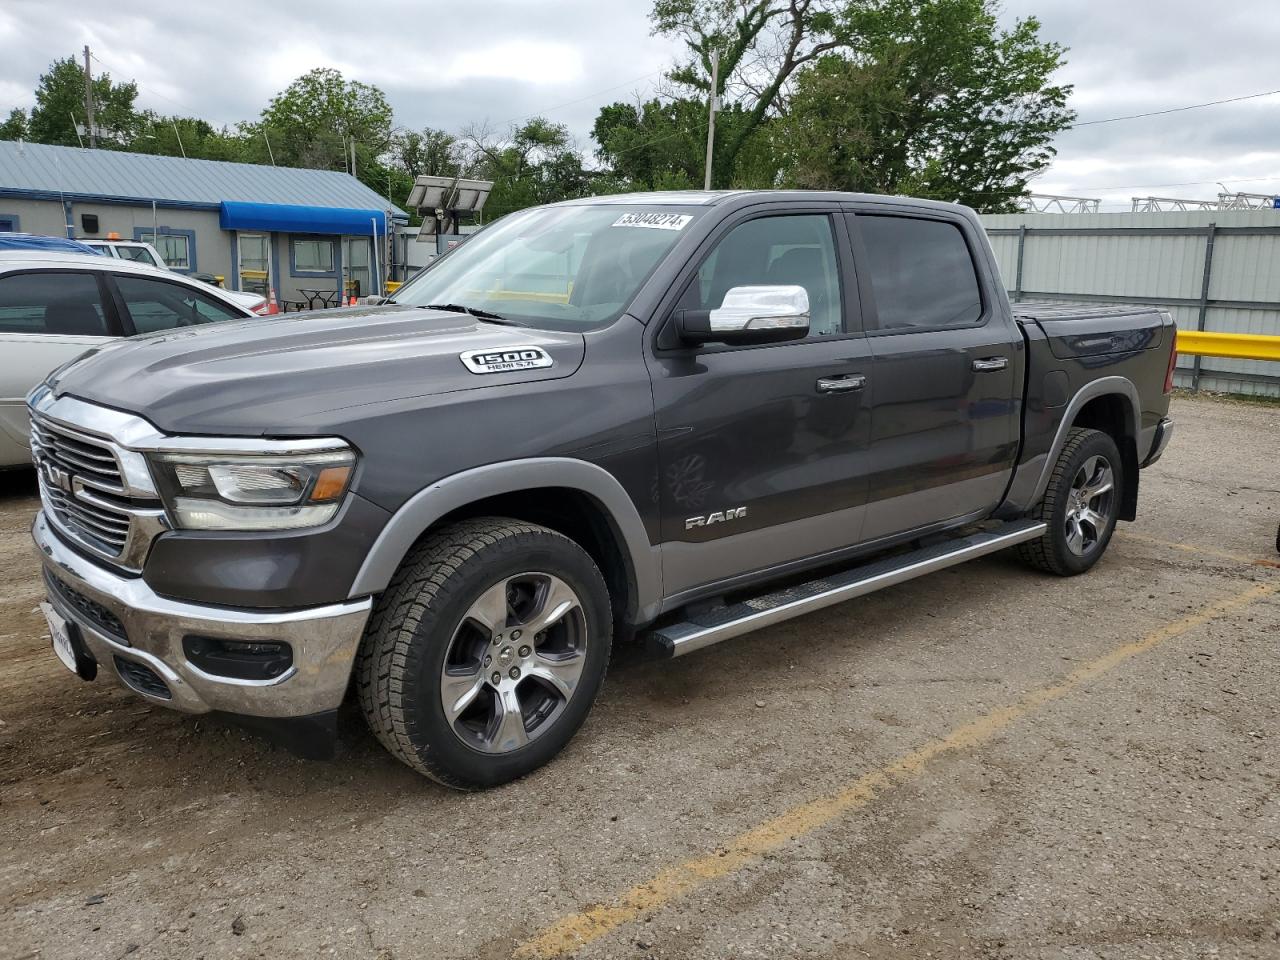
{"x":330,"y":484}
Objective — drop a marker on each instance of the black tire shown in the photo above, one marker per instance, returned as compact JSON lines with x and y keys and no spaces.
{"x":1060,"y":551}
{"x":420,"y":620}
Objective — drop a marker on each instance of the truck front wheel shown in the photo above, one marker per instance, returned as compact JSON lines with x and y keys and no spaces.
{"x":485,"y":653}
{"x":1080,"y":506}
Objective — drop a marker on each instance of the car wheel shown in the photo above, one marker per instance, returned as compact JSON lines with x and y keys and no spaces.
{"x":1080,"y":506}
{"x":484,"y":655}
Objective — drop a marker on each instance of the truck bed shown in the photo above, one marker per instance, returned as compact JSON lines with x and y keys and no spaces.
{"x":1077,"y":330}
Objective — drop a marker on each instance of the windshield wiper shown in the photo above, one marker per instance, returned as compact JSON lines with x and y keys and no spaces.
{"x":473,"y":311}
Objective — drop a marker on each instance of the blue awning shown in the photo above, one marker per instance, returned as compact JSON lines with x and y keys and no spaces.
{"x":288,"y":218}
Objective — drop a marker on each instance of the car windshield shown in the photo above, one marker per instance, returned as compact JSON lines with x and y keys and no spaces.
{"x":140,"y":254}
{"x":559,"y":267}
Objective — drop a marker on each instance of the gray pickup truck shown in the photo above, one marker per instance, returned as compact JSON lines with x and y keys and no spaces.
{"x":667,"y":418}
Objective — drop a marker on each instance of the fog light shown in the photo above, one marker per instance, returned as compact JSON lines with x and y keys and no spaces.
{"x":239,"y":659}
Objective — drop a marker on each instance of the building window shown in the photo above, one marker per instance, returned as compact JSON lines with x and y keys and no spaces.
{"x":313,"y":256}
{"x":8,"y":223}
{"x":174,"y":248}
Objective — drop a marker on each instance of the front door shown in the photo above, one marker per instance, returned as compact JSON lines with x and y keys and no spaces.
{"x":255,"y":262}
{"x":355,"y":263}
{"x":948,"y":369}
{"x":761,"y":461}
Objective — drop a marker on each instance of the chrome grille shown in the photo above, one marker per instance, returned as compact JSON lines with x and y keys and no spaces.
{"x":90,"y":459}
{"x":91,"y":489}
{"x":91,"y":520}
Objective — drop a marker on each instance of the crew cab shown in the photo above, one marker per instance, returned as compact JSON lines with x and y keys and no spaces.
{"x":663,"y":418}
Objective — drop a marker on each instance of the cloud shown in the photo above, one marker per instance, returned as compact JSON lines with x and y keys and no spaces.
{"x":451,"y":65}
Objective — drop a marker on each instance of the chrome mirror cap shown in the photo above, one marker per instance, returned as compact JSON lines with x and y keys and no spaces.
{"x":776,"y":308}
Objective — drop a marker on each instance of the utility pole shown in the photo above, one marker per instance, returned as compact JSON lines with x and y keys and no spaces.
{"x":711,"y":118}
{"x":88,"y":98}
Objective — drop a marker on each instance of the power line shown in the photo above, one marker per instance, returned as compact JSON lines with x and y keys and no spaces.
{"x":190,"y":110}
{"x":1160,"y":113}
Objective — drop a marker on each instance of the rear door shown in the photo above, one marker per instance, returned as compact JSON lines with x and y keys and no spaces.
{"x":761,"y":447}
{"x":948,"y":369}
{"x":47,"y":317}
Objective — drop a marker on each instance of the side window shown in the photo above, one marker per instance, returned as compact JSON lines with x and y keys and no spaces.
{"x":792,"y":250}
{"x":64,"y":304}
{"x":921,"y":273}
{"x":156,"y":305}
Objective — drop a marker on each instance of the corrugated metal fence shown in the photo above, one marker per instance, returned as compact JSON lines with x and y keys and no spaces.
{"x":1214,"y":270}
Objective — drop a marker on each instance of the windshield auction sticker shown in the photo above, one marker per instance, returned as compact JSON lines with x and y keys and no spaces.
{"x":654,"y":221}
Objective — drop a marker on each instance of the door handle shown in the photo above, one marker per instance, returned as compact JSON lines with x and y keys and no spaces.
{"x":846,"y":383}
{"x":987,"y":364}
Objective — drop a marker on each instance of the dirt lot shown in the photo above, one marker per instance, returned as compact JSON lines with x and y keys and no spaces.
{"x":987,"y":762}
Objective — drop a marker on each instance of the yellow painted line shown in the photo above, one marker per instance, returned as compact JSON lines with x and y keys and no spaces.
{"x":1241,"y":346}
{"x":575,"y":931}
{"x":1207,"y":551}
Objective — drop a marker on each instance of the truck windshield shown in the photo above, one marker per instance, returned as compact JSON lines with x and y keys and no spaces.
{"x":560,"y":267}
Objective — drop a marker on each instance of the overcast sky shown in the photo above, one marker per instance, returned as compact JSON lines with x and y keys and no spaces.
{"x":450,"y":64}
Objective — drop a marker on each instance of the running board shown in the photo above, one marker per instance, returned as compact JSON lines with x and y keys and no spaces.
{"x":724,"y":623}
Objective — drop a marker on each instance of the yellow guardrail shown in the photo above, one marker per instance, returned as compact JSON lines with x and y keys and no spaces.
{"x":1237,"y":346}
{"x":393,"y":286}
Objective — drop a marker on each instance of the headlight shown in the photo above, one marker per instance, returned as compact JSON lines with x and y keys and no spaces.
{"x":207,"y":491}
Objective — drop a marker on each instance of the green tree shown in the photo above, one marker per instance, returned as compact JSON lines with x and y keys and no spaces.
{"x":933,"y":100}
{"x":426,"y":151}
{"x":15,"y":126}
{"x":534,"y":163}
{"x":60,"y":106}
{"x":761,"y":43}
{"x":188,"y":136}
{"x":313,"y":121}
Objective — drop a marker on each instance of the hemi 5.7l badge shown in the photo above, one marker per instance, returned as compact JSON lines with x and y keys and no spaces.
{"x":506,"y":361}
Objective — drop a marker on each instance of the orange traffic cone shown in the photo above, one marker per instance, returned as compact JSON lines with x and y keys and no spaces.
{"x":272,"y":307}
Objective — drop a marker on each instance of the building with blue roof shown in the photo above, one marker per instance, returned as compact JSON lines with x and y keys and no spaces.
{"x":281,"y":228}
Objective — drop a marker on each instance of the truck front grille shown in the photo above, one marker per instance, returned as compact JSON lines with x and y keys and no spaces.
{"x":92,"y":460}
{"x":87,"y":495}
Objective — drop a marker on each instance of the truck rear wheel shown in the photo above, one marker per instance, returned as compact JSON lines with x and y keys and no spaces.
{"x":484,"y":655}
{"x":1080,"y":505}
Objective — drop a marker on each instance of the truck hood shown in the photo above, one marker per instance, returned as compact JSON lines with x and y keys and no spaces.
{"x":256,"y":377}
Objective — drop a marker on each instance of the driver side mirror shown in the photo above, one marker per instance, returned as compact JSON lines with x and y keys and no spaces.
{"x":755,"y":314}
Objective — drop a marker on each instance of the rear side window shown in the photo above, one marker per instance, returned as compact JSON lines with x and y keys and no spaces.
{"x":58,"y":303}
{"x":921,"y":273}
{"x":156,"y":305}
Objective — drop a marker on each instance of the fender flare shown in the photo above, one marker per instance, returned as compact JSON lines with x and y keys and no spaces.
{"x":1103,"y":387}
{"x":1031,"y":478}
{"x":458,"y":490}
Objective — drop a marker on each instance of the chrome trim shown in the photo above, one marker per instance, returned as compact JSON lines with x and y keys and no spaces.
{"x":778,"y":307}
{"x":324,"y":639}
{"x":1163,"y":434}
{"x":682,"y":638}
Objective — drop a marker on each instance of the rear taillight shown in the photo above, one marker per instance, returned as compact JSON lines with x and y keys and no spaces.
{"x":1173,"y":362}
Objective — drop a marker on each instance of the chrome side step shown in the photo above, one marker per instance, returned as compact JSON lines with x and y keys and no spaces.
{"x":725,"y":623}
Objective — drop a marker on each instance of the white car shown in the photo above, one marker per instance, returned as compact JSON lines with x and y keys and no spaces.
{"x":54,"y":306}
{"x":141,"y":252}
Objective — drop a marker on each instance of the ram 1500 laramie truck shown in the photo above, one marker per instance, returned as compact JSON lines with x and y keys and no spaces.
{"x":671,"y":418}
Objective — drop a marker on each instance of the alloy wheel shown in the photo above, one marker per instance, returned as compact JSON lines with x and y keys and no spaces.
{"x":514,"y":662}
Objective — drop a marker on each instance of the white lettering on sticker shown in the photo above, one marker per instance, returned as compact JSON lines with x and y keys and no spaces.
{"x":654,"y":221}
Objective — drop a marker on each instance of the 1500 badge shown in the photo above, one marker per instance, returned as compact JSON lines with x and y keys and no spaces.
{"x":506,"y":361}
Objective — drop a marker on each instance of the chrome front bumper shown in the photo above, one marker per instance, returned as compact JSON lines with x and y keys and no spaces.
{"x":149,"y":630}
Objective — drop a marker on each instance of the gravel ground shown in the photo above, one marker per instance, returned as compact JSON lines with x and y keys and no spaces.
{"x":1019,"y":767}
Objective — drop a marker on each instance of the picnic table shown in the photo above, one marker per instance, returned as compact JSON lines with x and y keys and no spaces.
{"x":323,"y":298}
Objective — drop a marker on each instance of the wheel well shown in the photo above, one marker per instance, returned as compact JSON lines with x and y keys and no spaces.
{"x":582,"y":519}
{"x":1111,"y":415}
